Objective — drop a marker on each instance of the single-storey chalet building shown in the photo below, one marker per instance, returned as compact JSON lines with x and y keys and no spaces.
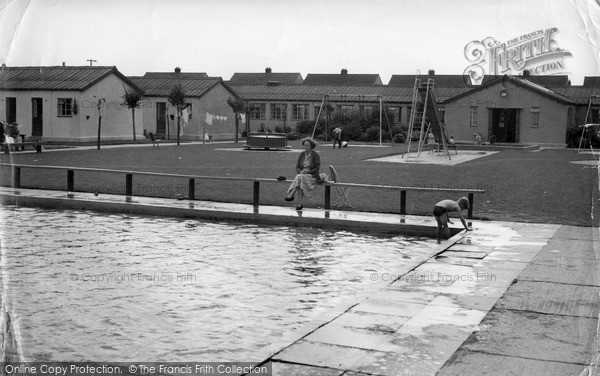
{"x":280,"y":102}
{"x":512,"y":110}
{"x":207,"y":112}
{"x":60,"y":103}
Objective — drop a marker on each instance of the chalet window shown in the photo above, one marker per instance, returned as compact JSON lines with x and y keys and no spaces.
{"x":300,"y":111}
{"x":366,"y":109}
{"x":594,"y":115}
{"x":347,"y":109}
{"x":473,"y":116}
{"x":396,"y":113}
{"x":259,"y":111}
{"x":535,"y":117}
{"x":65,"y":107}
{"x":278,"y":111}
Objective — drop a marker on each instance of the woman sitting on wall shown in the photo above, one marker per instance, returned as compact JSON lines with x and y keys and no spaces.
{"x":307,"y":167}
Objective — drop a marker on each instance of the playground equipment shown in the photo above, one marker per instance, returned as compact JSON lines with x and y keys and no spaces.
{"x":426,"y":117}
{"x":355,"y":98}
{"x":587,"y":127}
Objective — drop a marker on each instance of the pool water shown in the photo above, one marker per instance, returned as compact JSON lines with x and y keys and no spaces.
{"x":100,"y":287}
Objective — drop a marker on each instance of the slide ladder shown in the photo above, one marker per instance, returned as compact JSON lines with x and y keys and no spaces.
{"x":425,"y":115}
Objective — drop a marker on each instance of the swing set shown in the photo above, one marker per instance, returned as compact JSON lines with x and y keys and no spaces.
{"x":354,"y":98}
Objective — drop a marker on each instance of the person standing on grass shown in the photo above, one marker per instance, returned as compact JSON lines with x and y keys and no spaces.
{"x":337,"y":137}
{"x":307,"y":167}
{"x":441,"y":210}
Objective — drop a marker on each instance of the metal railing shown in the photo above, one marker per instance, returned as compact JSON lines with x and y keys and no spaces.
{"x":70,"y":180}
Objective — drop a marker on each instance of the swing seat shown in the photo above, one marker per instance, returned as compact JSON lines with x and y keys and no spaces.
{"x":342,"y":199}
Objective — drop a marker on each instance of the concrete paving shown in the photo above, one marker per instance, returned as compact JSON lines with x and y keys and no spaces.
{"x":507,"y":298}
{"x":435,"y":157}
{"x":547,"y":321}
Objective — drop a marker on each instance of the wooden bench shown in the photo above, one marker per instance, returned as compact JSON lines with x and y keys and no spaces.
{"x":37,"y":145}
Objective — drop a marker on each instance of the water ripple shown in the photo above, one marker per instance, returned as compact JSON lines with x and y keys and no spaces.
{"x":92,"y":286}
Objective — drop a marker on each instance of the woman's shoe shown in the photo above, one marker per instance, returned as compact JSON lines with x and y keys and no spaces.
{"x":289,"y":198}
{"x":298,"y":208}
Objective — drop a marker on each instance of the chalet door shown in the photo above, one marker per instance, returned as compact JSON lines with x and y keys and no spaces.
{"x":161,"y":118}
{"x":37,"y":117}
{"x":504,"y":122}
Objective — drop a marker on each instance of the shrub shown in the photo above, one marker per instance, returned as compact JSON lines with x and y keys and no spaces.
{"x":397,"y":129}
{"x":399,"y":138}
{"x":351,"y":131}
{"x":293,"y":136}
{"x":591,"y":136}
{"x":283,"y":129}
{"x":305,"y":127}
{"x":372,"y":133}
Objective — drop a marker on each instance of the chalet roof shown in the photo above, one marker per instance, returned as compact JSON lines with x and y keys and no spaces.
{"x":519,"y":81}
{"x":315,"y":93}
{"x":178,"y":75}
{"x":68,"y":78}
{"x":342,"y":79}
{"x":544,"y":80}
{"x":161,"y":87}
{"x":440,"y":80}
{"x":591,"y":81}
{"x":579,"y":94}
{"x":265,"y":78}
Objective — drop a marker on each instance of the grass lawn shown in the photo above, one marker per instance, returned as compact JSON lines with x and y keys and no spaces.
{"x":521,"y":185}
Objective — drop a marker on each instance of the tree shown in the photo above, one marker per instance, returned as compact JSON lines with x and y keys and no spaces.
{"x":101,"y":101}
{"x":131,"y":99}
{"x":177,"y":100}
{"x":239,"y":107}
{"x":250,"y":109}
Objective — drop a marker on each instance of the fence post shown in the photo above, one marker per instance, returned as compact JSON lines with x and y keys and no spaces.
{"x":191,"y":189}
{"x":70,"y":180}
{"x":470,"y":213}
{"x":327,"y":197}
{"x":16,"y":176}
{"x":256,"y":193}
{"x":128,"y":185}
{"x":403,"y":202}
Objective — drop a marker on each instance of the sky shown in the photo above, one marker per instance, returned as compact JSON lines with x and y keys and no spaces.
{"x":221,"y":37}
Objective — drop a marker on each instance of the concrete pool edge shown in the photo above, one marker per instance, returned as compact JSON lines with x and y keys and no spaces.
{"x":440,"y":316}
{"x":438,"y":325}
{"x":327,"y":317}
{"x":270,"y":215}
